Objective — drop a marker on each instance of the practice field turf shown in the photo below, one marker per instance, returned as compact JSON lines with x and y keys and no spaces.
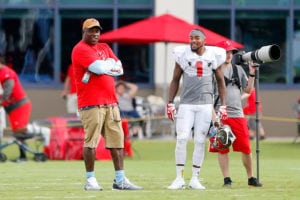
{"x":154,"y":170}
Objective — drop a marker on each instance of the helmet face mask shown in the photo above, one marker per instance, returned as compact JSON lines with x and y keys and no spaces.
{"x":223,"y":137}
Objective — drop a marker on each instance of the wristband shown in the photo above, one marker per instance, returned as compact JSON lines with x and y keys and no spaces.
{"x":252,"y":75}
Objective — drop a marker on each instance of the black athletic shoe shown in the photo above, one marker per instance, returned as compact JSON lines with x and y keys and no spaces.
{"x":227,"y":182}
{"x":19,"y":160}
{"x":254,"y":182}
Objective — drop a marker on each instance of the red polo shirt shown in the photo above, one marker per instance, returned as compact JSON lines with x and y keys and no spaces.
{"x":101,"y":88}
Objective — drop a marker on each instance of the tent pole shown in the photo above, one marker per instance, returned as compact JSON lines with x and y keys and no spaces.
{"x":257,"y":119}
{"x":165,"y":88}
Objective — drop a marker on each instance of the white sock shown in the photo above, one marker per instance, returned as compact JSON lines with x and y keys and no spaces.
{"x":180,"y":171}
{"x":195,"y":171}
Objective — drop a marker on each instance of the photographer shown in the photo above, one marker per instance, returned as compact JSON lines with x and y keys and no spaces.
{"x":237,"y":82}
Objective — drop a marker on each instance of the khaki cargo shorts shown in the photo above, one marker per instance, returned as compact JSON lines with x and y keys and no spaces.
{"x":105,"y":121}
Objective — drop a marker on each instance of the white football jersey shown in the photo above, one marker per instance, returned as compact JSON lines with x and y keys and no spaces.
{"x":198,"y":72}
{"x":189,"y":61}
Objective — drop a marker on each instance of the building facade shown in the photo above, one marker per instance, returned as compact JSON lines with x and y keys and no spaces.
{"x":37,"y":37}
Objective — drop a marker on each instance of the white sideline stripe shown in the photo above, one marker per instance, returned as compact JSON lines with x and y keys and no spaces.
{"x":68,"y":197}
{"x":30,"y":183}
{"x":295,"y":168}
{"x":240,"y":195}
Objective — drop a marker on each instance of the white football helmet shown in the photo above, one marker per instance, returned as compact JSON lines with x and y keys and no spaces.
{"x":223,"y":137}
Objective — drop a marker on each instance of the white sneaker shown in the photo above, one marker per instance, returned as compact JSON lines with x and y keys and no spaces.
{"x":41,"y":131}
{"x":92,"y":184}
{"x":177,"y":184}
{"x":46,"y":132}
{"x":195,"y":184}
{"x":125,"y":185}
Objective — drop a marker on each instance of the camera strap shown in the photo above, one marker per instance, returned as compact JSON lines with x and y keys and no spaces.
{"x":235,"y":80}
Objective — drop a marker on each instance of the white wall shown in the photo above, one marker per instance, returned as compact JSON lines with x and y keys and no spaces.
{"x":183,"y":9}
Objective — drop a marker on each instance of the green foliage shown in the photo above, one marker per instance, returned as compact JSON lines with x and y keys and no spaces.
{"x":154,"y":169}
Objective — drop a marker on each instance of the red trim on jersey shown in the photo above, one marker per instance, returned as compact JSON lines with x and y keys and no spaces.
{"x":199,"y":66}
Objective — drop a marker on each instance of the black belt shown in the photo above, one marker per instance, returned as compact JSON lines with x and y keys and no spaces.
{"x":87,"y":107}
{"x":9,"y":108}
{"x":98,"y":106}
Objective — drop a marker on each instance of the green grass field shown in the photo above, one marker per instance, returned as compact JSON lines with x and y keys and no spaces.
{"x":155,"y":170}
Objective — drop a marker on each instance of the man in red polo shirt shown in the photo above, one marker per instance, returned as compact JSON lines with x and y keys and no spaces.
{"x":18,"y":107}
{"x":95,"y":66}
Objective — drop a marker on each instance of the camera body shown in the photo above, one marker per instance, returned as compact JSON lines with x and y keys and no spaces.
{"x":265,"y":54}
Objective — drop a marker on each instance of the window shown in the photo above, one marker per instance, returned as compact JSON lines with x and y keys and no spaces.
{"x":26,"y":38}
{"x":135,"y":58}
{"x":26,"y":2}
{"x":71,"y":24}
{"x":135,"y":2}
{"x":84,"y":2}
{"x":40,"y":50}
{"x":213,"y":2}
{"x":261,"y":28}
{"x":296,"y":48}
{"x":216,"y":20}
{"x":260,"y":2}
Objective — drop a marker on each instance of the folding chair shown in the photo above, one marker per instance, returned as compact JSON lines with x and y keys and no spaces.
{"x":157,"y":122}
{"x":19,"y":140}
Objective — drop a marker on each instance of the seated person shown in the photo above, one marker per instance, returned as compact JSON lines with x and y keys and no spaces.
{"x":126,"y":93}
{"x":17,"y":105}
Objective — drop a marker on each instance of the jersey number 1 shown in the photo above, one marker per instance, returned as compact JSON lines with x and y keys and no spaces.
{"x":199,"y":66}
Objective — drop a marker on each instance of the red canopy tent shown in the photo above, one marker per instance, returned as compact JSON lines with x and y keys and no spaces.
{"x":163,"y":28}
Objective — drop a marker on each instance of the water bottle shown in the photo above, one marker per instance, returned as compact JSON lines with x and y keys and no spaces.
{"x":86,"y":77}
{"x":212,"y":131}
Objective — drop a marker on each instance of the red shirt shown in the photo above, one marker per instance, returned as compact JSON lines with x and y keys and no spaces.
{"x":250,"y":107}
{"x":18,"y":92}
{"x":101,"y":88}
{"x":71,"y":75}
